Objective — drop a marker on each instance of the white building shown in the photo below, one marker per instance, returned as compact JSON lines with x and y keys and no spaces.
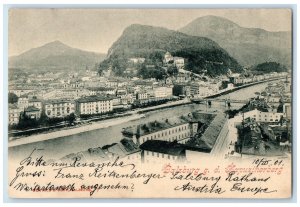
{"x":260,"y":116}
{"x":59,"y":108}
{"x":179,"y":62}
{"x":170,"y":131}
{"x":163,"y":91}
{"x":168,"y":57}
{"x":23,"y":102}
{"x":13,"y":114}
{"x":94,"y":105}
{"x":137,"y":60}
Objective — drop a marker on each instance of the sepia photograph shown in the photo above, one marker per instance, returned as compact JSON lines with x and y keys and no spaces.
{"x":150,"y":103}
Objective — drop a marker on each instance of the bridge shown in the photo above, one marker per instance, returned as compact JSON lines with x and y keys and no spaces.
{"x":220,"y":100}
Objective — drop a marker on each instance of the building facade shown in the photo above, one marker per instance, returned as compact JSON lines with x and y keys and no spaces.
{"x":163,"y":91}
{"x":94,"y":105}
{"x":59,"y":108}
{"x":13,"y":114}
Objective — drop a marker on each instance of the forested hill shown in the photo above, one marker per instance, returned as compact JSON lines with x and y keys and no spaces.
{"x":153,"y":42}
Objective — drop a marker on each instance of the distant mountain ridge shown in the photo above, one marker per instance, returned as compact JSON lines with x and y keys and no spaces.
{"x":55,"y":55}
{"x":249,"y":46}
{"x":153,"y":42}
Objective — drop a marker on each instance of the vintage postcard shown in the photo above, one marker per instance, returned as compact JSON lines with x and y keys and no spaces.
{"x":150,"y":103}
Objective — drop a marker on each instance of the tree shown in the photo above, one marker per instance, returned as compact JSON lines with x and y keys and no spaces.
{"x":12,"y":98}
{"x":25,"y":122}
{"x":71,"y":118}
{"x":268,"y":67}
{"x":173,"y":70}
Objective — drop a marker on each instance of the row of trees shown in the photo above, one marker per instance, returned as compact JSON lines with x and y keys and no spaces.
{"x":26,"y":122}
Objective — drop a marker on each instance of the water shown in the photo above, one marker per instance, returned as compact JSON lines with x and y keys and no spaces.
{"x":57,"y":148}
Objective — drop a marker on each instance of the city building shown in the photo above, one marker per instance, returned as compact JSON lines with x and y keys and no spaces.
{"x":182,"y":89}
{"x":168,"y":57}
{"x":287,"y":111}
{"x":32,"y":112}
{"x":101,"y":91}
{"x":158,"y":151}
{"x":59,"y":108}
{"x":163,"y":92}
{"x":178,"y":129}
{"x":20,"y":91}
{"x":94,"y":105}
{"x":137,"y":60}
{"x":213,"y":137}
{"x":36,"y":103}
{"x":23,"y":102}
{"x":179,"y":62}
{"x":13,"y":114}
{"x":142,"y":95}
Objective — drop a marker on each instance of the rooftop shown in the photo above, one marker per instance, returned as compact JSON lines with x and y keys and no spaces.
{"x":100,"y":88}
{"x":58,"y":101}
{"x":31,"y":109}
{"x":116,"y":149}
{"x":152,"y":127}
{"x":170,"y":148}
{"x":209,"y":137}
{"x":13,"y":106}
{"x":93,"y":99}
{"x":155,"y":126}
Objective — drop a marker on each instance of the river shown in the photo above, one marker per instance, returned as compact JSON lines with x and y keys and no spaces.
{"x":59,"y":147}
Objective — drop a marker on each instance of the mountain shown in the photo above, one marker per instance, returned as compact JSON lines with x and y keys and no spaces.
{"x":55,"y":56}
{"x":153,"y":42}
{"x":250,"y":46}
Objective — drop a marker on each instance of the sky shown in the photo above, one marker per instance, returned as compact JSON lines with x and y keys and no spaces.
{"x":97,"y":29}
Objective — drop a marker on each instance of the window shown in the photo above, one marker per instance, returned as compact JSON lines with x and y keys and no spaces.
{"x":168,"y":156}
{"x":157,"y":154}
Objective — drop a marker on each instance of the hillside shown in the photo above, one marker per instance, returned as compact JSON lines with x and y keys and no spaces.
{"x":55,"y":56}
{"x":153,"y":42}
{"x":268,"y":67}
{"x":250,"y":46}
